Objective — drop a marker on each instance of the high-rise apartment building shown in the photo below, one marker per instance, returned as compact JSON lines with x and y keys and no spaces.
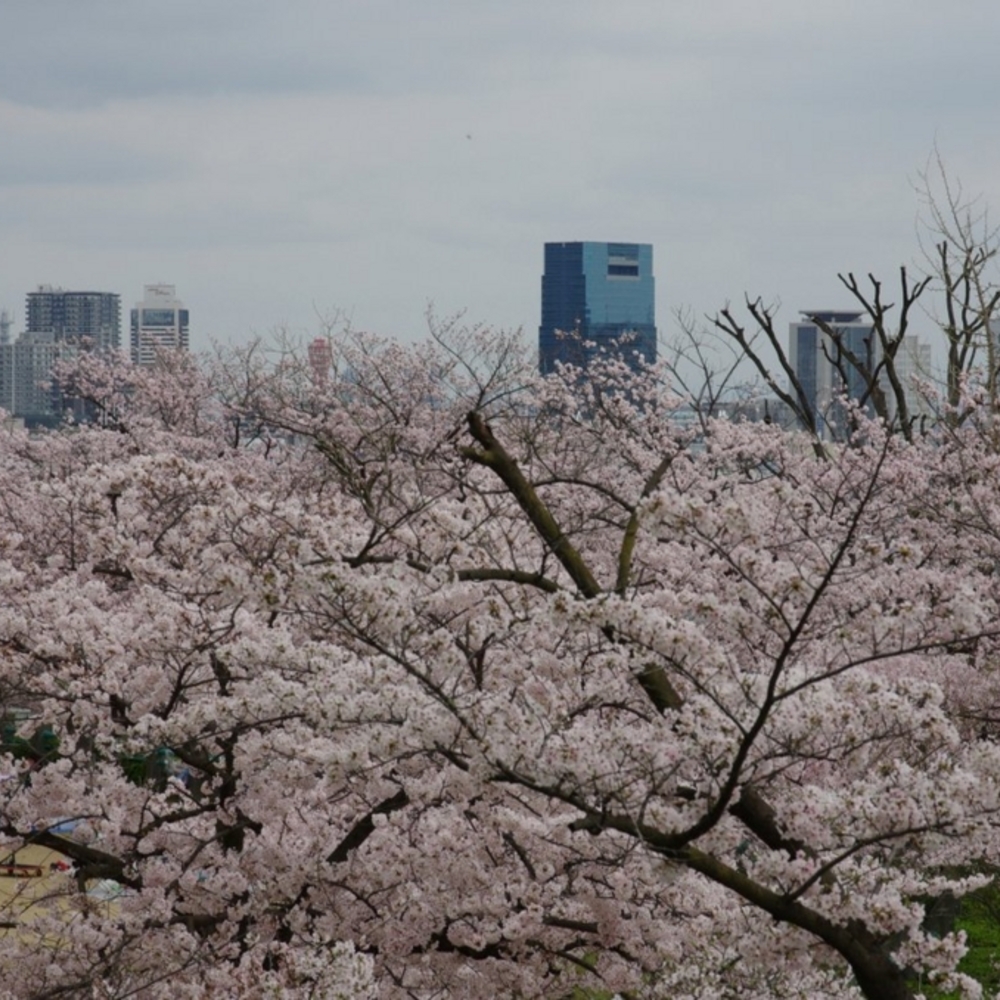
{"x":59,"y":323}
{"x":597,"y":296}
{"x":159,"y":323}
{"x":90,"y":320}
{"x":830,"y":369}
{"x":26,"y":388}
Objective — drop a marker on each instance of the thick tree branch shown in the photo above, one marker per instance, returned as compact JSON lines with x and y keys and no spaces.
{"x":365,"y":826}
{"x":494,"y":456}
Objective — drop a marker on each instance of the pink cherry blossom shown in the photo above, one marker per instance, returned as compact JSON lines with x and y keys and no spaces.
{"x":431,"y":678}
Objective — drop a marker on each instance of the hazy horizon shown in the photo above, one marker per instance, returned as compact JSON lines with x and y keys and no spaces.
{"x":281,"y":166}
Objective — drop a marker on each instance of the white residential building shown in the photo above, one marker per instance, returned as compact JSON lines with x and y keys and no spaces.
{"x":26,"y":388}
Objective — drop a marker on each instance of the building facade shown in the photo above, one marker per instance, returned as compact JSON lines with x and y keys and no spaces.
{"x":158,"y":323}
{"x":26,"y":387}
{"x":597,"y":296}
{"x":320,"y":354}
{"x":90,"y":320}
{"x":59,"y":323}
{"x":914,"y":366}
{"x":831,"y":370}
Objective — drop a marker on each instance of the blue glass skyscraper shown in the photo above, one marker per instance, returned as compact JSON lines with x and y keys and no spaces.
{"x":594,"y":296}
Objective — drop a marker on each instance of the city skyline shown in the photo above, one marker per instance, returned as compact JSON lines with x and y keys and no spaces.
{"x":60,"y":323}
{"x":278,"y":169}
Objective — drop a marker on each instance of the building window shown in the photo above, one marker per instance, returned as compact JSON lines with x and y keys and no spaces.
{"x":628,"y":250}
{"x":158,"y":317}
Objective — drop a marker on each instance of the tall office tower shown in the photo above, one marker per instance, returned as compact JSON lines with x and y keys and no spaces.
{"x":821,"y":366}
{"x":86,"y":319}
{"x":159,"y":323}
{"x":594,"y":296}
{"x":827,"y":367}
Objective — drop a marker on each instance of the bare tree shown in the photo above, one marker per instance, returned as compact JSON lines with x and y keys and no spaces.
{"x":707,"y":369}
{"x":959,"y":245}
{"x":875,"y":369}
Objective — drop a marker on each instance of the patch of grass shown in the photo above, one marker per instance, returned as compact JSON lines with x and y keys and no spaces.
{"x":979,"y":917}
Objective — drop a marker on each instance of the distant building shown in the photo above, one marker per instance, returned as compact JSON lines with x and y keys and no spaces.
{"x":829,"y":369}
{"x":759,"y":409}
{"x":913,"y":364}
{"x":26,"y":388}
{"x":159,"y":323}
{"x":594,"y":296}
{"x":59,"y":324}
{"x":90,"y":320}
{"x":820,"y":365}
{"x":320,"y":353}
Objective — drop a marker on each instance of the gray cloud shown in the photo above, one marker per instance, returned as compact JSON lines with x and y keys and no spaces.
{"x":273,"y":161}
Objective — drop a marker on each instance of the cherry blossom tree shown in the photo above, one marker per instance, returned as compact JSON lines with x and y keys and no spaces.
{"x":419,"y":676}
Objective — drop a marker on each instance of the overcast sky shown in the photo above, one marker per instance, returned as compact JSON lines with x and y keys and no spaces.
{"x":280,"y":162}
